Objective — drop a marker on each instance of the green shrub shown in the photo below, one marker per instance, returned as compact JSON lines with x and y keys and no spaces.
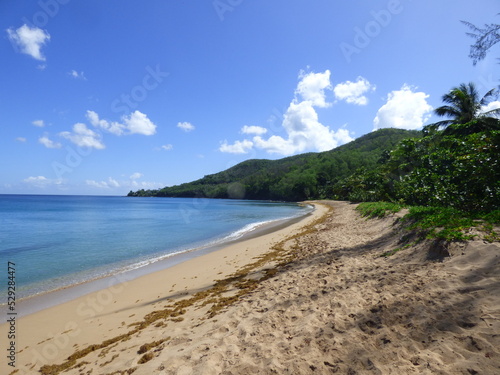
{"x":378,"y":209}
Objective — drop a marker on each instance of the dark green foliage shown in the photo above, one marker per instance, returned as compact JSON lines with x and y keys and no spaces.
{"x":296,"y":178}
{"x":463,"y":173}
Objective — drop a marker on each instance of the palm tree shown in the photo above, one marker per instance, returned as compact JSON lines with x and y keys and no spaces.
{"x":466,"y":109}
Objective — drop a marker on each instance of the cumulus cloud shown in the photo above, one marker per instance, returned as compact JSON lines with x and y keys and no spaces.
{"x":404,"y":109}
{"x":167,"y":147}
{"x":312,"y":86}
{"x":29,"y":40}
{"x":186,"y":126}
{"x":275,"y":145}
{"x":136,"y":123}
{"x":84,"y":137}
{"x":238,"y":147}
{"x":257,"y":130}
{"x":111,"y":127}
{"x":21,"y":139}
{"x":44,"y":140}
{"x":354,"y":92}
{"x":303,"y":129}
{"x":304,"y":132}
{"x":39,"y":123}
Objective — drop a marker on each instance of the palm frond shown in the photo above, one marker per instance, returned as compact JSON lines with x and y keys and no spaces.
{"x":492,"y":94}
{"x":447,"y":110}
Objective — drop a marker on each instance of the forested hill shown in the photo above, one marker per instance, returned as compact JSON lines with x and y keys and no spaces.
{"x":294,"y":178}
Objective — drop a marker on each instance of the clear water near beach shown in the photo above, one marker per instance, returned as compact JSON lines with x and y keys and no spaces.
{"x":58,"y":241}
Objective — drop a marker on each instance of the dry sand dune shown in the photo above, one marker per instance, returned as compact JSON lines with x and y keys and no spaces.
{"x":332,"y":306}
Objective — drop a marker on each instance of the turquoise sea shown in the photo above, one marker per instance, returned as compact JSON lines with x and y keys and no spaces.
{"x":58,"y":241}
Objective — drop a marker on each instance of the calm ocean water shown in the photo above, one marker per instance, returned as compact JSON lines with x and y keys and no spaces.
{"x":56,"y":241}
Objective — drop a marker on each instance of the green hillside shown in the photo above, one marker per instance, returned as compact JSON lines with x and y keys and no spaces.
{"x":295,"y":178}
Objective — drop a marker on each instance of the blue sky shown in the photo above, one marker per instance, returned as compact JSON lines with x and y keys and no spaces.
{"x":101,"y":97}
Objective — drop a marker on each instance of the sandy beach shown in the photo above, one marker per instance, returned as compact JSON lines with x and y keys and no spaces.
{"x":312,"y":298}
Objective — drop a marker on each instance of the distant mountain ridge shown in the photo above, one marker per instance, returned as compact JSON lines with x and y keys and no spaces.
{"x":294,"y":178}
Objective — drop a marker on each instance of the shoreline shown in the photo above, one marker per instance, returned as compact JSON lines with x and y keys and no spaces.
{"x":316,"y":297}
{"x":47,"y":299}
{"x":117,"y":299}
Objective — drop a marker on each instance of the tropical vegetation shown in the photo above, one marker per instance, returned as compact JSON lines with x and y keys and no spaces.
{"x":449,"y":172}
{"x":295,"y":178}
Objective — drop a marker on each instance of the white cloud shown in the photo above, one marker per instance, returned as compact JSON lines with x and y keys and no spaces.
{"x":490,"y":107}
{"x":238,"y":147}
{"x":111,"y":127}
{"x":136,"y":123}
{"x":404,"y":109}
{"x":186,"y":126}
{"x":275,"y":145}
{"x":257,"y":130}
{"x":36,"y":179}
{"x":167,"y":147}
{"x":353,"y":92}
{"x":77,"y":75}
{"x":304,"y":132}
{"x":300,"y":122}
{"x":110,"y":183}
{"x":29,"y":40}
{"x":113,"y":183}
{"x":44,"y":140}
{"x":39,"y":123}
{"x":84,"y":137}
{"x":96,"y":184}
{"x":21,"y":139}
{"x":312,"y":86}
{"x":42,"y":181}
{"x":136,"y":176}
